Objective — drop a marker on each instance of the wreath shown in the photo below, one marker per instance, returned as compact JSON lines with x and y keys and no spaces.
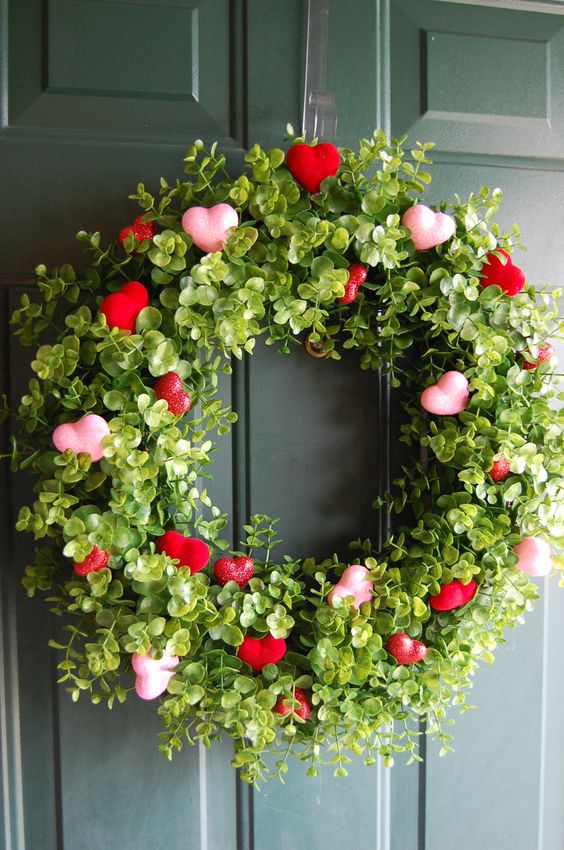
{"x":323,"y":660}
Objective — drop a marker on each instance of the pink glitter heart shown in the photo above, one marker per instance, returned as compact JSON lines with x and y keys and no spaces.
{"x":534,"y":556}
{"x":428,"y":228}
{"x":85,"y":435}
{"x":209,"y":228}
{"x":153,"y":674}
{"x":353,"y":582}
{"x":448,"y":396}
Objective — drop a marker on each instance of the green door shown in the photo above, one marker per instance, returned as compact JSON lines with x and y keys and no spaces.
{"x":99,"y":95}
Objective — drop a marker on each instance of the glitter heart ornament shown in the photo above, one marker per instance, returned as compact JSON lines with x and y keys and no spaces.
{"x":84,"y":435}
{"x":405,"y":649}
{"x":285,"y":706}
{"x":209,"y":226}
{"x":95,"y":561}
{"x":234,"y":569}
{"x":357,"y":275}
{"x":140,"y":229}
{"x":354,"y":582}
{"x":428,"y":228}
{"x":448,"y":396}
{"x":545,"y":352}
{"x":153,"y":674}
{"x":170,"y":388}
{"x":500,"y":470}
{"x":534,"y":557}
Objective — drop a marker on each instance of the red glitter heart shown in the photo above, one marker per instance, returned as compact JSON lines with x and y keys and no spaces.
{"x":500,"y":470}
{"x":545,"y":353}
{"x":95,"y":561}
{"x":170,"y":388}
{"x":140,"y":229}
{"x":357,"y":276}
{"x":284,"y":704}
{"x":234,"y":569}
{"x":406,"y":650}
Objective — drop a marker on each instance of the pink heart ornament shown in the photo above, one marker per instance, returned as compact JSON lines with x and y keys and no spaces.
{"x":534,"y":556}
{"x":209,"y":228}
{"x":354,"y":582}
{"x":428,"y":228}
{"x":85,"y":435}
{"x":448,"y":396}
{"x":153,"y":674}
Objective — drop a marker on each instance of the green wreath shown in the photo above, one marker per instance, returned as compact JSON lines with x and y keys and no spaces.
{"x":322,"y":660}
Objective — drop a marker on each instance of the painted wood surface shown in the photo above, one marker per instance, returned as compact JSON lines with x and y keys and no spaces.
{"x":89,"y":108}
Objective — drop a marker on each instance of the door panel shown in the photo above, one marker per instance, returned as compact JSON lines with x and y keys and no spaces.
{"x":100,"y":94}
{"x":482,"y":81}
{"x":486,"y":85}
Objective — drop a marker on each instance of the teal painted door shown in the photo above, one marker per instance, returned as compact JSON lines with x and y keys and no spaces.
{"x":100,"y":94}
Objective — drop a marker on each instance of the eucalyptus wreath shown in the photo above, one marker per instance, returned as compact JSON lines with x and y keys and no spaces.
{"x":282,"y":273}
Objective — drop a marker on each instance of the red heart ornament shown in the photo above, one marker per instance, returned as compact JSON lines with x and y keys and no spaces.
{"x":140,"y":229}
{"x":189,"y":551}
{"x":95,"y":561}
{"x":310,"y":165}
{"x":84,"y":435}
{"x":170,"y":388}
{"x":406,"y":650}
{"x":448,"y":396}
{"x":285,"y":704}
{"x":507,"y":276}
{"x":258,"y":652}
{"x":428,"y":229}
{"x":453,"y":595}
{"x":545,"y":352}
{"x":153,"y":674}
{"x":234,"y":569}
{"x":500,"y":470}
{"x":534,"y":556}
{"x":122,"y":308}
{"x":357,"y":276}
{"x":210,"y":227}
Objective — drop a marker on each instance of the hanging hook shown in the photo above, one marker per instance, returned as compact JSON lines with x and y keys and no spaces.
{"x":319,"y":119}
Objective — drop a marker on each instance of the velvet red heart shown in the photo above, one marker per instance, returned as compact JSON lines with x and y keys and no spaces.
{"x":258,"y":652}
{"x":310,"y":165}
{"x":189,"y":551}
{"x":122,"y":308}
{"x":506,"y":275}
{"x":405,"y":649}
{"x":453,"y":595}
